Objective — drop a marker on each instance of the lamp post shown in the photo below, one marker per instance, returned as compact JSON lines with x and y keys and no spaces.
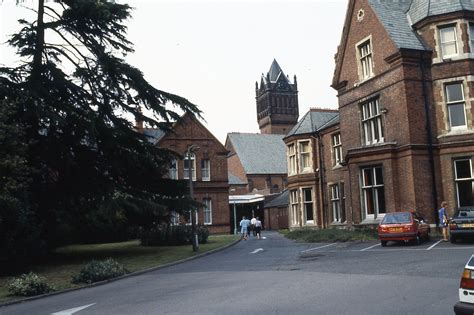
{"x":195,"y":241}
{"x":235,"y":215}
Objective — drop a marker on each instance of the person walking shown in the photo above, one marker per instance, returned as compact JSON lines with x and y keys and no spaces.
{"x":443,"y":220}
{"x":258,"y":227}
{"x":252,"y":226}
{"x":244,"y":225}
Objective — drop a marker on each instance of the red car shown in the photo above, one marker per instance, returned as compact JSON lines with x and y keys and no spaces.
{"x":403,"y":226}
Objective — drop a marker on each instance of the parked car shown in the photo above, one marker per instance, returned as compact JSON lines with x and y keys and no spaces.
{"x":466,"y":290}
{"x":403,"y":226}
{"x":461,"y":224}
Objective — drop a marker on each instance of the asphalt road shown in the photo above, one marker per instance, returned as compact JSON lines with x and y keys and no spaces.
{"x":277,"y":276}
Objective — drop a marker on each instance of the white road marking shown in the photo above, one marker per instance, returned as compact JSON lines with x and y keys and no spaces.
{"x":264,"y":238}
{"x":434,"y":244}
{"x":308,"y":250}
{"x":362,"y":250}
{"x":73,"y":310}
{"x":257,"y":250}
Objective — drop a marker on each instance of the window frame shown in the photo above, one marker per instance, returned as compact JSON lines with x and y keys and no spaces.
{"x":372,"y":122}
{"x":337,"y":149}
{"x":372,"y":192}
{"x":206,"y":171}
{"x":335,"y":193}
{"x":193,"y":166}
{"x":302,"y":156}
{"x":304,"y":204}
{"x":458,"y":181}
{"x":441,"y":43}
{"x":173,"y":172}
{"x":365,"y":59}
{"x":294,"y":207}
{"x":453,"y":103}
{"x":471,"y":36}
{"x":292,"y":166}
{"x":207,"y":209}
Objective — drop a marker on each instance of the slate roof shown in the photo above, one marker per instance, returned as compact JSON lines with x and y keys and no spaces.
{"x":313,"y":121}
{"x":153,"y":134}
{"x":421,"y":9}
{"x":274,"y":73}
{"x":260,"y":153}
{"x":234,"y":180}
{"x":393,"y":15}
{"x":281,"y":201}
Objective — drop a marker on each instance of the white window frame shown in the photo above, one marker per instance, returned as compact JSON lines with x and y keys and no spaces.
{"x":173,"y":170}
{"x":193,"y":169}
{"x":305,"y":202}
{"x":371,"y":191}
{"x":372,"y":124}
{"x":366,"y":62}
{"x":471,"y":36}
{"x":443,"y":44}
{"x":294,"y":207}
{"x":303,"y":155}
{"x":206,"y":170}
{"x":336,"y":203}
{"x":291,"y":149}
{"x":450,"y":103}
{"x":337,"y":149}
{"x":174,"y":218}
{"x":188,"y":217}
{"x":207,"y":211}
{"x":458,"y":180}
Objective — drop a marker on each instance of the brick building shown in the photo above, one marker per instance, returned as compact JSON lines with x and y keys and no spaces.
{"x":208,"y":168}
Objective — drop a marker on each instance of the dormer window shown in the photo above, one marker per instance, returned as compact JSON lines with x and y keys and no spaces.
{"x":447,"y":39}
{"x":365,"y":60}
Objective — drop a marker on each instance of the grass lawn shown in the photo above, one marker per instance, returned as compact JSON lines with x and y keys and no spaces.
{"x":330,"y":235}
{"x":67,"y":261}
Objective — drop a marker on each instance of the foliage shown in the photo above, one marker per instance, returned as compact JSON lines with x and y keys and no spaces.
{"x":73,"y":99}
{"x":330,"y":235}
{"x":169,"y":235}
{"x":98,"y":270}
{"x":28,"y":285}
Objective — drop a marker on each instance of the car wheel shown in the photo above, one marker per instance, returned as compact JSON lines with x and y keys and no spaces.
{"x":417,"y":239}
{"x":384,"y":243}
{"x":452,"y":239}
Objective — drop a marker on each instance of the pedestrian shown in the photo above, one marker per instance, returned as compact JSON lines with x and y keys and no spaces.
{"x":252,"y":226}
{"x":244,"y":224}
{"x":258,"y":227}
{"x":443,"y":220}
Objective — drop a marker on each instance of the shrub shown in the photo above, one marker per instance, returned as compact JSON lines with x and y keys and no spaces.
{"x":98,"y":270}
{"x":28,"y":285}
{"x":331,"y":235}
{"x":170,"y":235}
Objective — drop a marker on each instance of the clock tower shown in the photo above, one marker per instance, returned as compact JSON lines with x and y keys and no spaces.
{"x":277,"y":102}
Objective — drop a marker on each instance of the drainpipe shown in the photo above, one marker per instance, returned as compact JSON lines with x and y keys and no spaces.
{"x":430,"y":141}
{"x":321,"y":179}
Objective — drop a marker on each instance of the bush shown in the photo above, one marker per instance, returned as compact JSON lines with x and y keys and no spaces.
{"x":28,"y":285}
{"x":171,"y":235}
{"x":98,"y":270}
{"x":331,"y":235}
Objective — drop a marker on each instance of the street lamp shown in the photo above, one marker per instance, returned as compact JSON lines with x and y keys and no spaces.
{"x":191,"y":149}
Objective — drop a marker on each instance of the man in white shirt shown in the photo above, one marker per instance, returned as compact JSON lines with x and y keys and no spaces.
{"x":252,"y":226}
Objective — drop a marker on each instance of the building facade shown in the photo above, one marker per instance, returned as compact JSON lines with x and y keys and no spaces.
{"x":208,"y":165}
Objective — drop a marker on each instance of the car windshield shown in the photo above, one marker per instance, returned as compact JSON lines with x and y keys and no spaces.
{"x":396,"y":218}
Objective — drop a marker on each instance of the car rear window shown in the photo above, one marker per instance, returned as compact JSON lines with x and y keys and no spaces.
{"x":463,"y":213}
{"x":395,"y":218}
{"x":471,"y":262}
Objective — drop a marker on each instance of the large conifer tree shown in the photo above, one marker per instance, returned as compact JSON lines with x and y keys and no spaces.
{"x":76,"y":92}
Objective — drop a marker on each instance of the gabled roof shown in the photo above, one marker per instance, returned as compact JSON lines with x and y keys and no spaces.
{"x":260,"y":153}
{"x":234,"y":180}
{"x":280,"y":201}
{"x":421,"y":9}
{"x":393,"y":16}
{"x":313,"y":120}
{"x":154,"y":134}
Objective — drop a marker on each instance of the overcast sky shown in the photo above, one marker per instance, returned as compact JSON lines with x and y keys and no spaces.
{"x":212,"y":52}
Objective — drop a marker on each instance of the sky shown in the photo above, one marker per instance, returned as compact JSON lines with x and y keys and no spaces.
{"x":213,"y":51}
